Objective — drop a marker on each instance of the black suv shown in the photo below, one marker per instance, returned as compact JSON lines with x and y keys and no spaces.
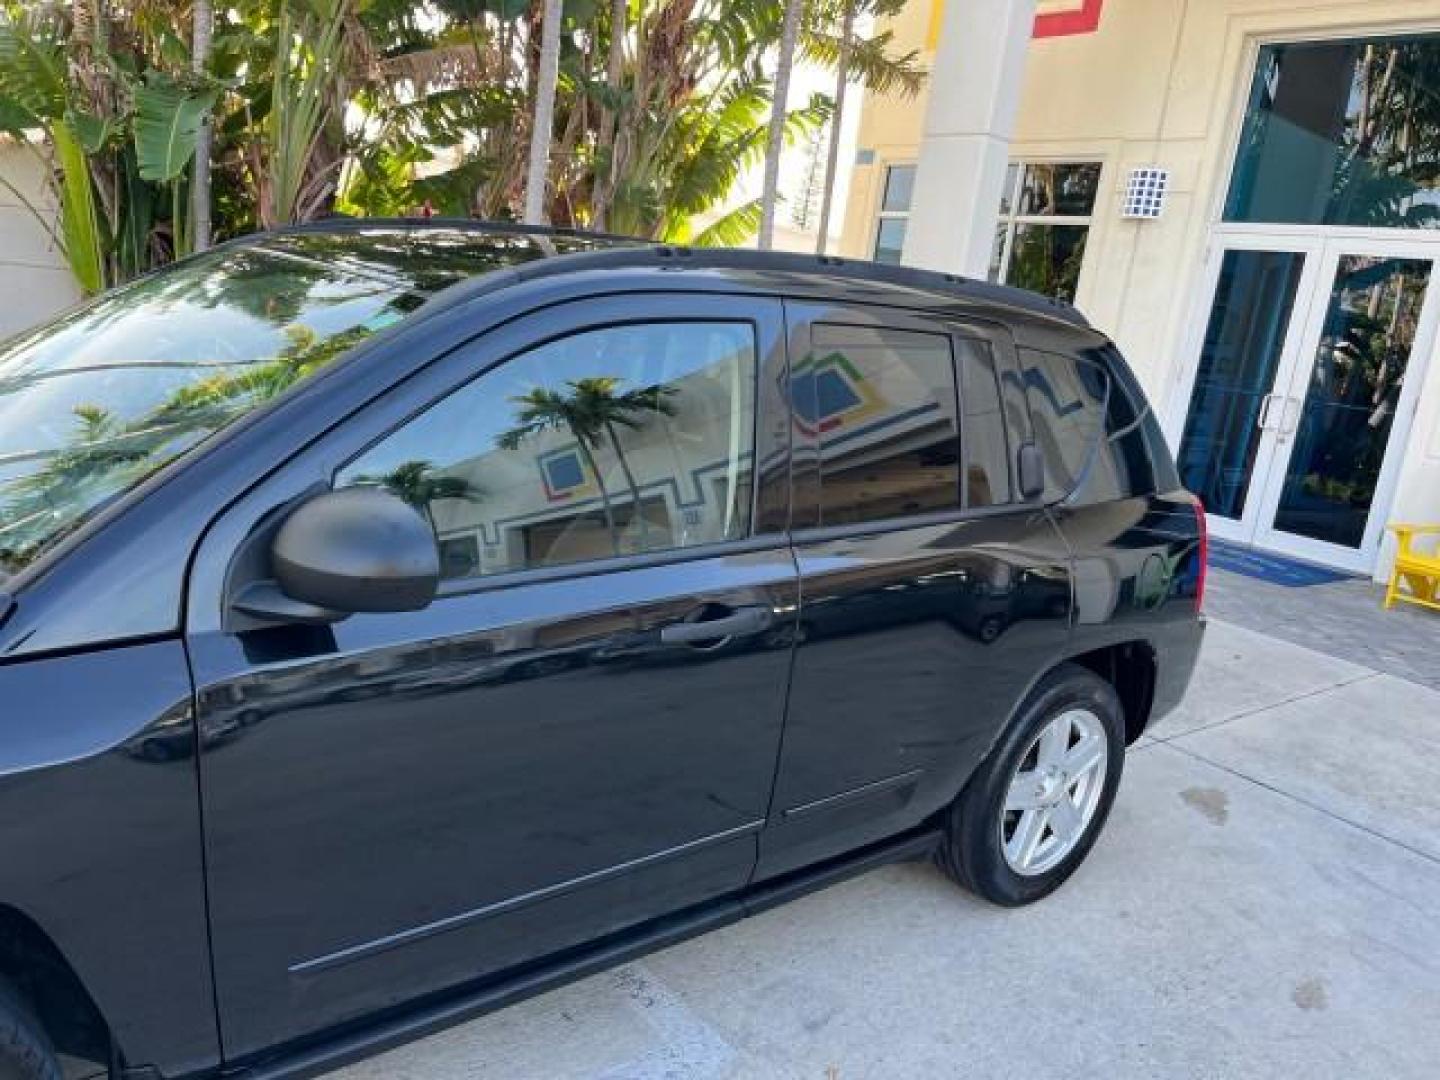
{"x":397,"y":619}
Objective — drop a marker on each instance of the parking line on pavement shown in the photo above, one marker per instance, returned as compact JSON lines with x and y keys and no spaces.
{"x":685,"y":1048}
{"x":1258,"y":709}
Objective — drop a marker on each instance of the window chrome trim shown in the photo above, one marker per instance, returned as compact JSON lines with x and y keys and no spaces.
{"x":821,"y":533}
{"x":609,"y":564}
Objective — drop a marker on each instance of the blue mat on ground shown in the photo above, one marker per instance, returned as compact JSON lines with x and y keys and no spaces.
{"x":1277,"y":569}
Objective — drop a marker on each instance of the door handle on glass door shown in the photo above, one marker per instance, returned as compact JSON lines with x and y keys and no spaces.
{"x":1263,"y":423}
{"x":1287,"y":427}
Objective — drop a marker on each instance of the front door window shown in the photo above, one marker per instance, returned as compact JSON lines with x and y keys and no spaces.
{"x":616,"y":441}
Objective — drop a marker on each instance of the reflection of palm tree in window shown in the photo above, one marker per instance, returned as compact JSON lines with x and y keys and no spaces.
{"x":107,"y":454}
{"x":1392,"y":138}
{"x":416,"y":483}
{"x":593,"y":411}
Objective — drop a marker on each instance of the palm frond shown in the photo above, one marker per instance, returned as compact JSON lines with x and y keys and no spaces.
{"x":732,"y":229}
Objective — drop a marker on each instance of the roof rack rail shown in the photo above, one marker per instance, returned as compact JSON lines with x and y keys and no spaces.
{"x":909,"y":277}
{"x":338,"y":222}
{"x":629,"y":252}
{"x":785,"y":262}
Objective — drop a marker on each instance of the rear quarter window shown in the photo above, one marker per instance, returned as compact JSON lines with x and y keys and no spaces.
{"x":1067,"y":398}
{"x":1095,"y":431}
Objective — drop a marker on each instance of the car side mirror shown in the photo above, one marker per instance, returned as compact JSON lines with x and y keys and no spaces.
{"x":1030,"y":466}
{"x":360,"y":549}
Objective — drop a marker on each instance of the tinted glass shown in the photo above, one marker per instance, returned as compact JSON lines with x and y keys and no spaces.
{"x":1343,"y":429}
{"x":1241,"y":352}
{"x":1123,"y":467}
{"x":99,"y":400}
{"x":1068,"y":400}
{"x":1066,"y":190}
{"x":882,"y":403}
{"x":899,"y":188}
{"x":987,"y":453}
{"x":1127,"y":399}
{"x":1047,"y":258}
{"x":997,"y":253}
{"x":1007,"y":198}
{"x":890,"y":240}
{"x":609,"y":442}
{"x":1342,"y":133}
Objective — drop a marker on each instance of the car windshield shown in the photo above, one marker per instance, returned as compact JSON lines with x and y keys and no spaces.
{"x":105,"y":396}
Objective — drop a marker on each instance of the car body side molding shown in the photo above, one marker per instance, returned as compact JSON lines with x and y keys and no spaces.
{"x":445,"y":1011}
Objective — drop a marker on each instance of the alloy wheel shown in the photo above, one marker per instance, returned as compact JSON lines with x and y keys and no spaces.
{"x":1053,"y":793}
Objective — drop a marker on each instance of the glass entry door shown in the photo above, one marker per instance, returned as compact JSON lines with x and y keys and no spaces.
{"x":1304,"y":388}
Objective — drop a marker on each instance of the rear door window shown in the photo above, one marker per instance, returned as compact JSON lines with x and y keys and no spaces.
{"x":882,"y":404}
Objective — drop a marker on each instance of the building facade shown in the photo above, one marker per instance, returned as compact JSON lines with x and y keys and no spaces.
{"x":1244,"y":193}
{"x":35,"y":280}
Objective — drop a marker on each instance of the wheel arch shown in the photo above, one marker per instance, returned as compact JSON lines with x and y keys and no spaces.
{"x":1131,"y":668}
{"x":39,"y":973}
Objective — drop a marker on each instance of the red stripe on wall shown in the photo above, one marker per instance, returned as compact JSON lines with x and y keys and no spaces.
{"x":1084,"y":20}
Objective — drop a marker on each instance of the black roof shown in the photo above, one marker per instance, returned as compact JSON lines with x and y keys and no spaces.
{"x":439,"y":253}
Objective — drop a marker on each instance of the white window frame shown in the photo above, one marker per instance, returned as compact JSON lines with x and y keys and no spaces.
{"x":1010,"y":220}
{"x":881,"y":214}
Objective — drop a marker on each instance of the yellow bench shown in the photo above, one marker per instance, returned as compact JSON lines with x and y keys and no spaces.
{"x":1419,"y":570}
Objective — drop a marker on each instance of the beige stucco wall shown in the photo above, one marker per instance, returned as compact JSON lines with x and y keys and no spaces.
{"x":35,"y":282}
{"x":1161,"y":83}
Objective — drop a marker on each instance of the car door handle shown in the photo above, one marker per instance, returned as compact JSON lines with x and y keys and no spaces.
{"x":746,"y":620}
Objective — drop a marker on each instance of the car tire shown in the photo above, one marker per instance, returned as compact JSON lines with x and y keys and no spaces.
{"x":1033,"y":810}
{"x":25,"y":1050}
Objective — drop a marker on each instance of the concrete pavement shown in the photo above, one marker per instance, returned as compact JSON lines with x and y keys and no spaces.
{"x":1265,"y":902}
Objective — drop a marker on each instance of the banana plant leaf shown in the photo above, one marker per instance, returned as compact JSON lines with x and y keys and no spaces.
{"x":167,"y":121}
{"x":137,"y":218}
{"x":92,"y":131}
{"x":14,"y":119}
{"x":32,"y":75}
{"x":79,"y":218}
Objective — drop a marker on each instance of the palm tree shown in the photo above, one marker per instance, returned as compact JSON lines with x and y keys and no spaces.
{"x":597,"y":398}
{"x":544,"y":113}
{"x":591,"y":412}
{"x":610,"y":114}
{"x":789,"y":34}
{"x":546,"y":410}
{"x":415,"y":482}
{"x":866,"y":60}
{"x":832,"y":155}
{"x":202,"y":34}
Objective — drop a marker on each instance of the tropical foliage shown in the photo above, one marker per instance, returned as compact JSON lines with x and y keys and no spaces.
{"x":418,"y":484}
{"x":306,"y":107}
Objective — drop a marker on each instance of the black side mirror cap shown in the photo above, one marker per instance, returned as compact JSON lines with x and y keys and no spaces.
{"x":357,"y":550}
{"x":1030,"y":469}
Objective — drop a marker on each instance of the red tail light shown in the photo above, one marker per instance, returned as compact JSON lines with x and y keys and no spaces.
{"x":1204,"y":553}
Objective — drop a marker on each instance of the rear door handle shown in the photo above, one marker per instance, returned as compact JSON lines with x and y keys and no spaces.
{"x":746,"y":620}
